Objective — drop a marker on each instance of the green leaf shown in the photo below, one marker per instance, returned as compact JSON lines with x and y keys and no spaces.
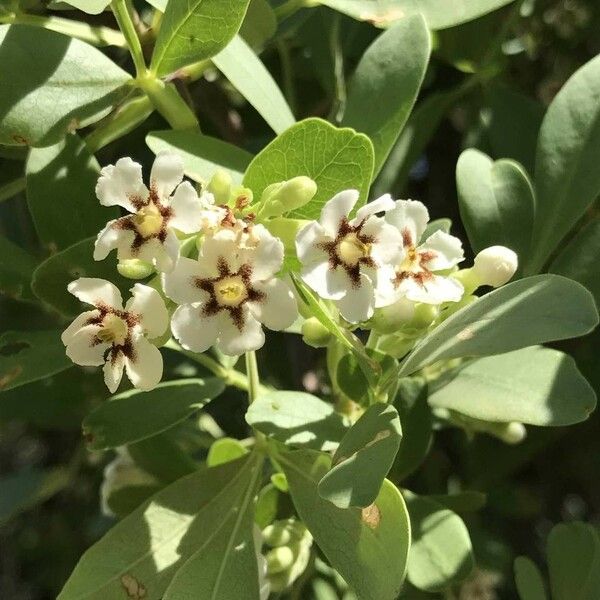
{"x":61,"y":182}
{"x":533,"y":385}
{"x":29,"y":487}
{"x":260,"y":23}
{"x":523,"y":313}
{"x":246,"y":72}
{"x":51,"y":278}
{"x":580,"y":259}
{"x":363,"y":458}
{"x":439,"y":14}
{"x":27,"y":356}
{"x":441,"y":552}
{"x":125,"y":500}
{"x":368,"y":547}
{"x":396,"y":60}
{"x":225,"y":450}
{"x":469,"y":501}
{"x":135,"y":415}
{"x":298,"y":419}
{"x":45,"y":94}
{"x":202,"y":155}
{"x":496,"y":202}
{"x":16,"y":270}
{"x":336,"y":159}
{"x":574,"y":561}
{"x":144,"y":551}
{"x":567,"y":179}
{"x":195,"y":30}
{"x":417,"y":428}
{"x":92,"y":7}
{"x":528,"y":579}
{"x":227,"y":561}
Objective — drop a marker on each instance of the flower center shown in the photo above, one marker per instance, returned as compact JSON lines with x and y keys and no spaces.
{"x":113,"y":330}
{"x":230,"y":291}
{"x":411,"y":262}
{"x":351,"y":250}
{"x":148,"y":221}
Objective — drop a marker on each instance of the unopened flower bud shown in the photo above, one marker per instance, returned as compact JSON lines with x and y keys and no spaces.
{"x":513,"y":433}
{"x":424,"y":315}
{"x":134,"y":268}
{"x":286,"y":196}
{"x":314,"y":333}
{"x":279,"y":559}
{"x":220,"y":186}
{"x":391,"y":318}
{"x":495,"y":265}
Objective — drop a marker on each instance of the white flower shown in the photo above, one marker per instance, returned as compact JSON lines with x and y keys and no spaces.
{"x":350,"y":261}
{"x":495,"y":265}
{"x":415,"y":277}
{"x":170,"y":205}
{"x":230,"y":291}
{"x":115,"y":337}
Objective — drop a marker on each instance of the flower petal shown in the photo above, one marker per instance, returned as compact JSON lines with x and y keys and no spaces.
{"x":264,"y":252}
{"x":166,"y":174}
{"x":234,"y":342}
{"x":96,"y":292}
{"x":84,"y":349}
{"x":194,"y":330}
{"x":387,"y":248}
{"x":122,"y":185}
{"x":385,"y":291}
{"x":148,"y":304}
{"x":382,"y":204}
{"x":447,"y":250}
{"x":113,"y":372}
{"x":329,"y":283}
{"x":359,"y":302}
{"x":336,"y":209}
{"x":278,"y":309}
{"x":308,"y":240}
{"x":187,"y":209}
{"x":435,"y":290}
{"x":76,"y":325}
{"x":180,"y":283}
{"x":410,"y":217}
{"x":111,"y":237}
{"x":222,"y":246}
{"x":162,"y":255}
{"x":145,"y":367}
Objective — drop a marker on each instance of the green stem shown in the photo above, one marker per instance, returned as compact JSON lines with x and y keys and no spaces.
{"x":12,"y":188}
{"x":123,"y":10}
{"x":253,"y":378}
{"x":96,"y":36}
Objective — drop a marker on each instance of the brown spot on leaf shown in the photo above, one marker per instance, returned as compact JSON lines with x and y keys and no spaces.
{"x":381,"y":435}
{"x":133,"y":588}
{"x":371,"y":516}
{"x":20,"y":139}
{"x":382,"y":18}
{"x":466,"y":334}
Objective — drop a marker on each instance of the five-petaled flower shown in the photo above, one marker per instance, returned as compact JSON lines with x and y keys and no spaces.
{"x":415,"y":275}
{"x":230,"y":291}
{"x":168,"y":205}
{"x":350,"y":261}
{"x":116,"y":337}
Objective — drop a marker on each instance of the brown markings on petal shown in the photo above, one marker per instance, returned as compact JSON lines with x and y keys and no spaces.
{"x":418,"y":271}
{"x":131,"y":320}
{"x":229,"y":219}
{"x":407,"y":240}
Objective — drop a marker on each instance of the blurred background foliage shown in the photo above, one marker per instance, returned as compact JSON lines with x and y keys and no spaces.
{"x":487,"y":87}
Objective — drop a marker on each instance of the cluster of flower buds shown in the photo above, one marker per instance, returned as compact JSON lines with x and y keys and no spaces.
{"x":219,"y":256}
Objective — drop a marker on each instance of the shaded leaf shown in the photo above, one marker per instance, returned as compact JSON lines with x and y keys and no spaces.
{"x":16,"y":270}
{"x":225,"y":450}
{"x":528,"y":579}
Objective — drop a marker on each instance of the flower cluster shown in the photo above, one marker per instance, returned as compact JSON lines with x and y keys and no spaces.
{"x":230,"y":281}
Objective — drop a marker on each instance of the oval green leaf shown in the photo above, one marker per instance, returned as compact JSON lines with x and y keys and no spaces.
{"x":528,"y":580}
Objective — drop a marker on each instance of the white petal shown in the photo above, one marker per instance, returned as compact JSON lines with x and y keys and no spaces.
{"x":145,"y":367}
{"x":148,"y":304}
{"x":83,"y":348}
{"x":278,"y":309}
{"x":76,"y":325}
{"x":382,"y":204}
{"x":264,"y":252}
{"x":336,"y":209}
{"x":234,"y":342}
{"x":112,"y":237}
{"x":307,"y":241}
{"x":96,"y":292}
{"x":121,"y":183}
{"x":113,"y":372}
{"x":435,"y":290}
{"x":387,"y":248}
{"x":187,"y":209}
{"x":329,"y":283}
{"x":222,"y":246}
{"x":162,"y":255}
{"x":194,"y":330}
{"x":385,"y":291}
{"x":166,"y":174}
{"x":359,"y":302}
{"x":448,"y":251}
{"x":180,"y":283}
{"x":410,"y":217}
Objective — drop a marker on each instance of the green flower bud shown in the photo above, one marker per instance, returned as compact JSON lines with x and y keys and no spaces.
{"x":283,"y":197}
{"x":279,"y":559}
{"x":315,"y":334}
{"x":133,"y":268}
{"x":220,"y":186}
{"x":391,"y":318}
{"x":277,"y":534}
{"x":425,"y":315}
